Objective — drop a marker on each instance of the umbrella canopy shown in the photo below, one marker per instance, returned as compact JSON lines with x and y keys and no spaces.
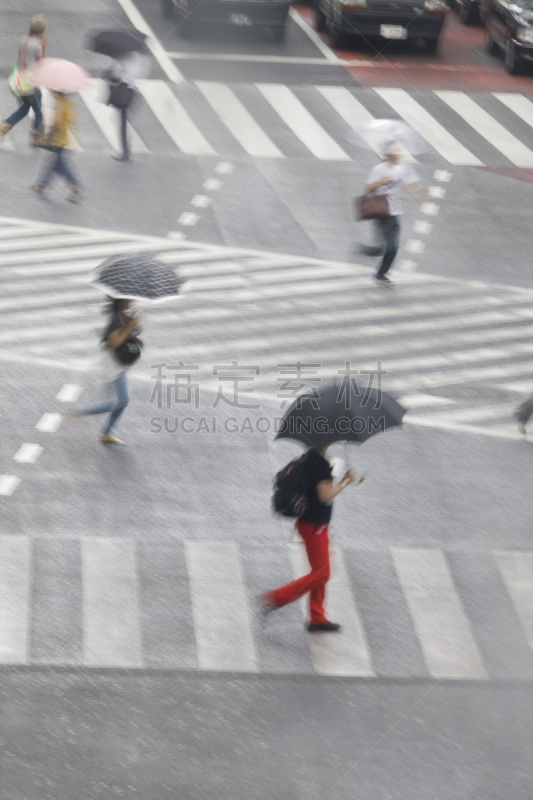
{"x":60,"y":75}
{"x":116,"y":43}
{"x":380,"y":133}
{"x":137,"y":276}
{"x":339,"y":413}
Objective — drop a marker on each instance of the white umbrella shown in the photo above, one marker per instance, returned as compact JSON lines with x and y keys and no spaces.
{"x":381,"y":133}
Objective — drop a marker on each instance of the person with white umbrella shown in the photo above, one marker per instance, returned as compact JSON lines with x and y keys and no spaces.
{"x":388,"y":178}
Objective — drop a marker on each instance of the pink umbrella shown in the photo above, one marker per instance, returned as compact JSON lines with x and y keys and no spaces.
{"x":60,"y":75}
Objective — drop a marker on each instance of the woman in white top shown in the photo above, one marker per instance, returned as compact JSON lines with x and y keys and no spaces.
{"x":388,"y":178}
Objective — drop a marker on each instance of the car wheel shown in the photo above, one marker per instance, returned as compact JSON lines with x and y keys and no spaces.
{"x":321,"y":21}
{"x":336,"y":36}
{"x":432,"y":45}
{"x":278,"y":33}
{"x":167,"y":8}
{"x":512,"y":64}
{"x":490,"y":45}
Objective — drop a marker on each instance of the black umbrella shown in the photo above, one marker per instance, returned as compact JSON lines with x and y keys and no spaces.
{"x":137,"y":276}
{"x":340,"y":413}
{"x":116,"y":43}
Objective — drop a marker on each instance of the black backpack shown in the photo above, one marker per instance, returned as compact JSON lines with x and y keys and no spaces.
{"x":290,"y":486}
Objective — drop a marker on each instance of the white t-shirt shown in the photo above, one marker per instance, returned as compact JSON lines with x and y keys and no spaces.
{"x":400,"y":175}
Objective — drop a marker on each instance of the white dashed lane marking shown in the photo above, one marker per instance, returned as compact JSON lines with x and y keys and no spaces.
{"x":8,"y":484}
{"x":28,"y":453}
{"x":49,"y":423}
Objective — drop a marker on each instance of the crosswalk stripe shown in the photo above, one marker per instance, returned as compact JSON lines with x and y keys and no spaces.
{"x":63,"y":239}
{"x":16,"y":231}
{"x":108,"y":120}
{"x":301,"y":122}
{"x":355,"y":114}
{"x":516,"y":569}
{"x":428,"y":127}
{"x":441,"y":625}
{"x":491,"y":130}
{"x":111,"y":621}
{"x":519,"y":104}
{"x":238,"y":120}
{"x":345,"y":653}
{"x":473,"y":414}
{"x":14,"y":598}
{"x":220,"y":608}
{"x":118,"y":246}
{"x":174,"y":119}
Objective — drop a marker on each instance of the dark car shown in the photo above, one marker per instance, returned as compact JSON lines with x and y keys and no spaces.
{"x":193,"y":14}
{"x":402,"y":19}
{"x":509,"y":27}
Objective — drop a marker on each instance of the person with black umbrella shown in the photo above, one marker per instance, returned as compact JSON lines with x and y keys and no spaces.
{"x":339,"y":413}
{"x":132,"y":63}
{"x":312,"y":526}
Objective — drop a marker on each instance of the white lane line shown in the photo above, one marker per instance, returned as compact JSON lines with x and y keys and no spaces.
{"x":108,"y":120}
{"x":174,"y":118}
{"x":301,"y":122}
{"x":224,"y":168}
{"x":423,"y":227}
{"x":59,"y":240}
{"x":98,"y":249}
{"x":423,"y":400}
{"x":139,"y":22}
{"x":8,"y":484}
{"x":428,"y":127}
{"x":516,"y":569}
{"x":521,"y":106}
{"x":476,"y":414}
{"x":355,"y":114}
{"x":177,"y":236}
{"x":15,"y":558}
{"x":431,"y":209}
{"x":406,"y":265}
{"x":222,"y":623}
{"x":28,"y":453}
{"x":491,"y":130}
{"x":315,"y":38}
{"x":17,"y":231}
{"x":212,"y":184}
{"x":436,"y":192}
{"x":441,"y":625}
{"x":201,"y":201}
{"x":345,"y":653}
{"x":69,"y":393}
{"x":188,"y":218}
{"x":258,"y":59}
{"x":49,"y":423}
{"x":238,"y":120}
{"x":442,"y":175}
{"x":111,"y":619}
{"x":415,"y":246}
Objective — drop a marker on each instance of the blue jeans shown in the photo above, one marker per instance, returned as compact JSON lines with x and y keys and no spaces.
{"x":390,"y":230}
{"x":58,"y":162}
{"x":27,"y":102}
{"x":116,"y":407}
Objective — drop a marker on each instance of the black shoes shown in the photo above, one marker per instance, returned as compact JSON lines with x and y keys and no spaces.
{"x":121,"y":158}
{"x":324,"y":627}
{"x":383,"y":279}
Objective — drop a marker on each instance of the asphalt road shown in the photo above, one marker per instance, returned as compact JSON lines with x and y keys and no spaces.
{"x":124,"y":670}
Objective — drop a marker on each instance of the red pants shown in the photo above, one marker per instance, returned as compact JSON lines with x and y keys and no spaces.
{"x":316,"y":542}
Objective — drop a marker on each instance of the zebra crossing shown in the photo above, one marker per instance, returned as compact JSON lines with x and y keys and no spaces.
{"x":276,"y":121}
{"x":457,"y":353}
{"x":99,"y":602}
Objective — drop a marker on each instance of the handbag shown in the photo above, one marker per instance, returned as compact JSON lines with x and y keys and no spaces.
{"x":129,"y":351}
{"x":372,"y":206}
{"x":120,"y":94}
{"x":18,"y":85}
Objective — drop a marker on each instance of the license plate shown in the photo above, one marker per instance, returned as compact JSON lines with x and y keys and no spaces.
{"x":393,"y":32}
{"x":239,"y":19}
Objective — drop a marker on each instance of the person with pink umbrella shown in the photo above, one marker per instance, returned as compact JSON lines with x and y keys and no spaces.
{"x":61,"y":77}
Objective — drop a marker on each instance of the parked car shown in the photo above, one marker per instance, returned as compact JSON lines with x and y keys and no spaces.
{"x":401,"y":19}
{"x":468,"y":11}
{"x":509,"y":28}
{"x":193,"y":14}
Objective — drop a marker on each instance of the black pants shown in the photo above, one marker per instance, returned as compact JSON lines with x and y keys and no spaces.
{"x":124,"y":128}
{"x":390,"y":230}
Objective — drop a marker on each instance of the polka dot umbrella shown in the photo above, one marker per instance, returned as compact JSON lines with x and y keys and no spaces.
{"x":137,"y":276}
